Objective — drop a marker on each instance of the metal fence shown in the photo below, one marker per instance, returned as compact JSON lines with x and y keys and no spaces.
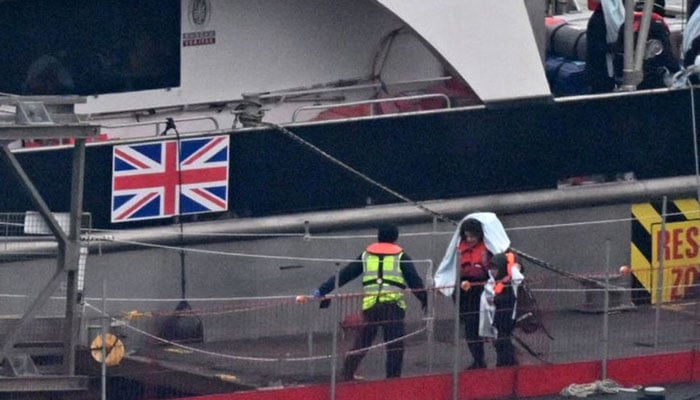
{"x":189,"y":345}
{"x":26,"y":235}
{"x":275,"y":341}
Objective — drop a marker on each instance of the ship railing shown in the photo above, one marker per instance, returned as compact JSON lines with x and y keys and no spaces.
{"x":159,"y":126}
{"x":25,"y":235}
{"x":277,"y":331}
{"x":276,"y":97}
{"x":342,"y":86}
{"x":299,"y":110}
{"x":288,"y":340}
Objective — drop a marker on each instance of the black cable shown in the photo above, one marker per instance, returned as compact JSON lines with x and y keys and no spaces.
{"x":297,"y":138}
{"x":419,"y":205}
{"x":182,"y":325}
{"x":170,"y":125}
{"x":383,"y":52}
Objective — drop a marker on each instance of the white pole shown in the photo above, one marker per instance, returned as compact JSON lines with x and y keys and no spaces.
{"x":104,"y":339}
{"x":457,"y":352}
{"x":430,"y":294}
{"x":606,"y":311}
{"x":660,"y":272}
{"x":334,"y":350}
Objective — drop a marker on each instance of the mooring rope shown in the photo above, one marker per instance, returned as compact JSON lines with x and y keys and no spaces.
{"x":419,"y":205}
{"x":249,"y":358}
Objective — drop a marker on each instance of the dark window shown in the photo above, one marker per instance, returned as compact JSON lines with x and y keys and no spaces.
{"x":50,"y":47}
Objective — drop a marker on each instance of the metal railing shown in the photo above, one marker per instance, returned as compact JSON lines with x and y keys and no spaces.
{"x":275,"y":337}
{"x":25,"y":235}
{"x":448,"y":103}
{"x":334,"y":87}
{"x":157,"y":124}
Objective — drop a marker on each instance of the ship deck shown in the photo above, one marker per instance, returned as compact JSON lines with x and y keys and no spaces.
{"x":188,"y":369}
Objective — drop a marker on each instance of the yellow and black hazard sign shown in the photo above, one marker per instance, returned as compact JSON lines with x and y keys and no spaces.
{"x":678,"y":243}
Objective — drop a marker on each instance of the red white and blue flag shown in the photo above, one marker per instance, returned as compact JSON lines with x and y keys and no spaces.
{"x":155,"y":180}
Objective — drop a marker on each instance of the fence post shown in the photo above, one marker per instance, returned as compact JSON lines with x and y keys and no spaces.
{"x":456,"y":352}
{"x":660,"y":272}
{"x":334,"y":350}
{"x":309,"y":346}
{"x":430,"y":284}
{"x":606,"y":311}
{"x":103,"y":366}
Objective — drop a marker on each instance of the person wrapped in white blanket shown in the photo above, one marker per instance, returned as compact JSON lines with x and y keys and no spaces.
{"x":489,"y":276}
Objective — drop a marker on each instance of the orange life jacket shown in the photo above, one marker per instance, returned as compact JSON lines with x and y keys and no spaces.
{"x":473,"y":261}
{"x":510,"y":264}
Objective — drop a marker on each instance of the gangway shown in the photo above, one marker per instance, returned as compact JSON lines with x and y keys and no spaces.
{"x":47,"y":117}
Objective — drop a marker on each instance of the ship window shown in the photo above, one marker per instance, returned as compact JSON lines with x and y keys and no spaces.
{"x":55,"y":47}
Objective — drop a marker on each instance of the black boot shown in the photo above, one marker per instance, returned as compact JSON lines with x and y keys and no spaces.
{"x":476,"y":348}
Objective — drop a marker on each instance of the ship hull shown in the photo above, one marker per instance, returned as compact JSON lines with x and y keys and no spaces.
{"x":421,"y":156}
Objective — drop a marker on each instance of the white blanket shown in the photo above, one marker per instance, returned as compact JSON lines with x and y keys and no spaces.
{"x":487,"y":309}
{"x":495,"y":239}
{"x":614,"y":13}
{"x":691,"y":31}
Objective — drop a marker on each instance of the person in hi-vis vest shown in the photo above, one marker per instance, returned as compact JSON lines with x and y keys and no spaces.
{"x":386,"y":272}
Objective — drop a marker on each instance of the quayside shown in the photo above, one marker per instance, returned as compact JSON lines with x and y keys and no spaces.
{"x":183,"y":210}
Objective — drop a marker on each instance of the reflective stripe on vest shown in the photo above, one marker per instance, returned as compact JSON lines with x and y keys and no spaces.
{"x":382,"y":278}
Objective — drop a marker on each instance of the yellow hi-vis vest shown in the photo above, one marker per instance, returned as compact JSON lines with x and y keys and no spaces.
{"x":382,"y":278}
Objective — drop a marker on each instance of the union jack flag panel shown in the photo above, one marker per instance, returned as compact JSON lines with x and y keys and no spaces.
{"x":150,"y":180}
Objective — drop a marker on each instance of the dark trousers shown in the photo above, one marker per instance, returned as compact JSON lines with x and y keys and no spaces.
{"x":504,"y":323}
{"x":388,"y":316}
{"x":469,"y":302}
{"x":596,"y":55}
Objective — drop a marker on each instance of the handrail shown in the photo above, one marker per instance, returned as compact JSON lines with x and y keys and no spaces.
{"x":284,"y":93}
{"x":158,"y":123}
{"x":342,"y":85}
{"x":448,"y":104}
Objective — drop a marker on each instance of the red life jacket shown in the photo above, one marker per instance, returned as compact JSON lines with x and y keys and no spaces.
{"x":655,"y":17}
{"x":473,"y":261}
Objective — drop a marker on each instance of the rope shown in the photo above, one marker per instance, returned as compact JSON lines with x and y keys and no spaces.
{"x":336,"y":161}
{"x":384,"y":344}
{"x":534,"y":260}
{"x":556,"y":270}
{"x":605,"y":386}
{"x":529,"y":349}
{"x":247,"y":358}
